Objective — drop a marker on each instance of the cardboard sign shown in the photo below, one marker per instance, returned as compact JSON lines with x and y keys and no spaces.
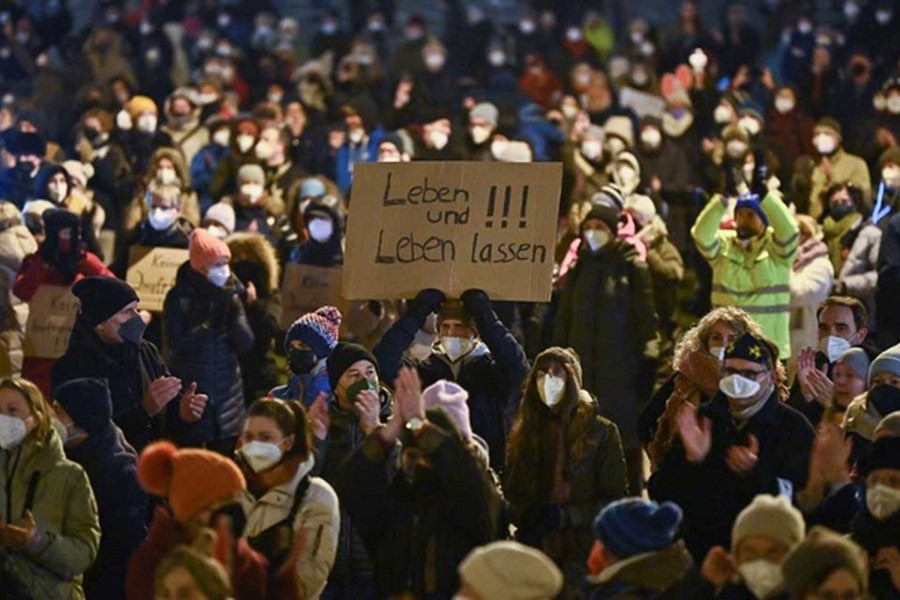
{"x":642,"y":103}
{"x":152,"y":273}
{"x":51,"y":316}
{"x":306,"y":288}
{"x":452,"y":226}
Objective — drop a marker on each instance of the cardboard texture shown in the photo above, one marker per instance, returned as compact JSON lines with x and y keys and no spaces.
{"x":51,"y":316}
{"x":452,"y":226}
{"x":152,"y":273}
{"x":306,"y":288}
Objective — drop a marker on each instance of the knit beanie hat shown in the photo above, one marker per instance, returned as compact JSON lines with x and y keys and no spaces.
{"x":831,"y":125}
{"x":140,"y":104}
{"x":394,"y":139}
{"x":453,"y":399}
{"x":223,"y":214}
{"x":633,"y":526}
{"x":319,"y":330}
{"x":641,"y":207}
{"x":889,"y":426}
{"x":770,"y":516}
{"x":312,"y":187}
{"x":251,"y":173}
{"x":883,"y":453}
{"x":102,"y":297}
{"x":510,"y":571}
{"x":823,"y":552}
{"x":455,"y":309}
{"x":889,"y":156}
{"x":607,"y":205}
{"x":80,"y":172}
{"x":735,"y":132}
{"x":752,"y":201}
{"x":26,"y":143}
{"x":858,"y":361}
{"x":343,"y":357}
{"x":620,"y":127}
{"x":205,"y":249}
{"x":886,"y":362}
{"x":485,"y":111}
{"x":88,"y":402}
{"x":190,"y":479}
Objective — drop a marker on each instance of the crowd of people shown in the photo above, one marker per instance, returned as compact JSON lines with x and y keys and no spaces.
{"x":708,"y":407}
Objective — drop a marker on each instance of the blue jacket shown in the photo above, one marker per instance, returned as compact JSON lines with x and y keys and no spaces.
{"x":203,"y":167}
{"x":347,"y":156}
{"x":309,"y":385}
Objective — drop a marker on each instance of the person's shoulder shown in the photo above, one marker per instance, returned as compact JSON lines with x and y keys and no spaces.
{"x":321,"y":492}
{"x":789,"y":414}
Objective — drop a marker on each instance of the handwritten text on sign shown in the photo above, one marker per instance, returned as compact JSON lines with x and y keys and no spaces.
{"x":51,"y":316}
{"x":452,"y":226}
{"x":152,"y":273}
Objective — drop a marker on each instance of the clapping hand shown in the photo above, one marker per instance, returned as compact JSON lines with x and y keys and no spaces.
{"x":742,"y":459}
{"x":318,"y":417}
{"x":696,"y":434}
{"x":192,"y":405}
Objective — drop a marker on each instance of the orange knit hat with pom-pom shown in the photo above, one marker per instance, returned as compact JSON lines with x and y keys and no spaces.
{"x":191,"y":479}
{"x":205,"y":249}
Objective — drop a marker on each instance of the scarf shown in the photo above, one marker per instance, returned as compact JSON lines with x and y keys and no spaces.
{"x":283,"y":472}
{"x":835,"y":233}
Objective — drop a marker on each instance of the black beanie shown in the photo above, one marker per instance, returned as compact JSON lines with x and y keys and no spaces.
{"x":88,"y":402}
{"x":102,"y":297}
{"x":343,"y":357}
{"x":883,"y":453}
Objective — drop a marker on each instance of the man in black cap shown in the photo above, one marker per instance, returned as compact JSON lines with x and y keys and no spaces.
{"x":17,"y":184}
{"x":746,"y":441}
{"x":107,"y":343}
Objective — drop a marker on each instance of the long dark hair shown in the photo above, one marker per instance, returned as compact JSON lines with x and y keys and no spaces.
{"x":51,"y":251}
{"x":290,"y":418}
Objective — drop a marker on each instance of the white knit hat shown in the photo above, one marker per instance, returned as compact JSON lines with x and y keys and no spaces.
{"x":223,"y":214}
{"x":769,"y":516}
{"x":511,"y":571}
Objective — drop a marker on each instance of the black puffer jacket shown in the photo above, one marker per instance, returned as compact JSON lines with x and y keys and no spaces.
{"x":205,"y":329}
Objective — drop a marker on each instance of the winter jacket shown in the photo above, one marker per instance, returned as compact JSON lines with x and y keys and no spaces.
{"x":492,"y":373}
{"x":873,"y":535}
{"x":888,"y":288}
{"x":756,"y":279}
{"x":138,"y":209}
{"x":188,"y":137}
{"x":249,"y":576}
{"x":111,"y":466}
{"x":710,"y":494}
{"x":203,"y":167}
{"x":113,"y":182}
{"x":666,"y":272}
{"x":16,"y":242}
{"x":418,"y":533}
{"x":253,"y":261}
{"x":789,"y":135}
{"x":842,"y":167}
{"x":350,"y":154}
{"x":811,"y":280}
{"x":305,"y":388}
{"x":607,"y":315}
{"x":129,"y":369}
{"x":176,"y":236}
{"x":858,"y":276}
{"x":205,"y":328}
{"x":352,"y":563}
{"x":318,"y":516}
{"x":63,"y":505}
{"x":646,"y":575}
{"x":34,"y":273}
{"x":594,"y":480}
{"x":839,"y":236}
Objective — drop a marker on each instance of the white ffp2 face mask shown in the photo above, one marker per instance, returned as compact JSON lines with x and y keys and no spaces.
{"x":596,"y":238}
{"x":833,"y":347}
{"x":320,"y":229}
{"x":218,"y":276}
{"x":882,"y":501}
{"x":762,"y":577}
{"x":161,"y":219}
{"x":738,"y":387}
{"x":825,"y":144}
{"x":551,"y":390}
{"x":261,"y":456}
{"x":456,"y":347}
{"x":438,"y":139}
{"x":12,"y":432}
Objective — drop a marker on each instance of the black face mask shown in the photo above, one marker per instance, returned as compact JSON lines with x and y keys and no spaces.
{"x":301,"y":361}
{"x":132,"y":330}
{"x":885,"y":399}
{"x":25,"y":169}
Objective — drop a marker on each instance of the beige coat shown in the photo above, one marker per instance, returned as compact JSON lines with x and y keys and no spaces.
{"x":838,"y":168}
{"x":16,"y":243}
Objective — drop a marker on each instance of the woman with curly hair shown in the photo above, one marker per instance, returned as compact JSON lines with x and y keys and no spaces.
{"x":564,"y":463}
{"x":698,"y":368}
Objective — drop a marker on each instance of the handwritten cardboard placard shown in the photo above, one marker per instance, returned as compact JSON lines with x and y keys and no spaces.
{"x":152,"y":273}
{"x":51,"y":316}
{"x":642,"y":103}
{"x":306,"y":288}
{"x":452,"y":226}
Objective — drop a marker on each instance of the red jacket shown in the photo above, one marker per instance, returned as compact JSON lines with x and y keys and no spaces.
{"x":250,"y":568}
{"x":34,"y":273}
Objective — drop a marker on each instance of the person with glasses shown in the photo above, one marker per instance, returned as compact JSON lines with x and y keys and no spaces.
{"x":745,"y":441}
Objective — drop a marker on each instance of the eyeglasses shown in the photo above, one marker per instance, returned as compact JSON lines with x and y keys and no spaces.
{"x":745,"y":373}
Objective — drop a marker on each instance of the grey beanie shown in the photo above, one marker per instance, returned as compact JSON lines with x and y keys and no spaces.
{"x":857,"y":359}
{"x":889,"y":426}
{"x":486,"y":111}
{"x":887,"y":362}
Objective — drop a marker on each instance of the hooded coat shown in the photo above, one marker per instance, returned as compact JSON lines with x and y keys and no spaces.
{"x":68,"y":532}
{"x":205,"y":328}
{"x":16,"y":242}
{"x":253,"y":260}
{"x":188,"y":136}
{"x":811,"y":281}
{"x":138,"y":209}
{"x":607,"y":315}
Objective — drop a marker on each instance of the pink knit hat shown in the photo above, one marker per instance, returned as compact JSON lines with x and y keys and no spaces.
{"x":453,"y":399}
{"x":206,"y":249}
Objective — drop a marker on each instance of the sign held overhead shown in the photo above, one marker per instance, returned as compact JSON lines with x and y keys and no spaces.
{"x":452,"y":226}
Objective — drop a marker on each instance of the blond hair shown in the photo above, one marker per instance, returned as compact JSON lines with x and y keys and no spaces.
{"x":40,"y":409}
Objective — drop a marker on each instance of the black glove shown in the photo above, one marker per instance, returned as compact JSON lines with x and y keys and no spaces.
{"x":759,"y":185}
{"x":427,"y":301}
{"x":477,"y":302}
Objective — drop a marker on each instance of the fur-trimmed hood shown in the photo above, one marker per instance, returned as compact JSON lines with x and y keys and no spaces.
{"x":174,"y":155}
{"x":254,"y":247}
